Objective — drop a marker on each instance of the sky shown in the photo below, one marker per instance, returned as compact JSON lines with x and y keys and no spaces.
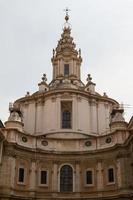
{"x":30,"y":29}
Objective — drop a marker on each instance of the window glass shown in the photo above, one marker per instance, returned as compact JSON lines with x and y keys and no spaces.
{"x":21,"y":175}
{"x":43,"y":177}
{"x":66,"y":114}
{"x":66,"y":69}
{"x":66,"y":119}
{"x":89,"y":177}
{"x":111,"y":175}
{"x":66,"y":179}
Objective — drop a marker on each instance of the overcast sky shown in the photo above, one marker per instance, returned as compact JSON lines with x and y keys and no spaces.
{"x":30,"y":29}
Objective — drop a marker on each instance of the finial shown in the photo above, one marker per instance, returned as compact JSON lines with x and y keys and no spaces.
{"x":89,"y":78}
{"x":44,"y":78}
{"x":66,"y":24}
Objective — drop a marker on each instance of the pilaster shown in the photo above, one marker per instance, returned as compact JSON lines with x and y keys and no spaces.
{"x":93,"y":110}
{"x":32,"y":181}
{"x":119,"y":174}
{"x":13,"y":171}
{"x":74,"y":113}
{"x":100,"y":185}
{"x":77,"y":177}
{"x":55,"y":177}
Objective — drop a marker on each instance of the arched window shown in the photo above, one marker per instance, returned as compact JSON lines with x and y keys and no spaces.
{"x":66,"y":179}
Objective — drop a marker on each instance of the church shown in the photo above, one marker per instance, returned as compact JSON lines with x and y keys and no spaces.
{"x":66,"y":141}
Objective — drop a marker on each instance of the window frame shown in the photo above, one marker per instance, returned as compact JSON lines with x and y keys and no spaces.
{"x":47,"y":178}
{"x":66,"y":124}
{"x":85,"y":177}
{"x":113,"y":182}
{"x":73,"y":178}
{"x":24,"y":179}
{"x":68,"y":109}
{"x":66,"y":69}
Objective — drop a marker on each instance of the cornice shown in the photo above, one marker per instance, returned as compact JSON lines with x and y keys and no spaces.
{"x":43,"y":95}
{"x":15,"y":146}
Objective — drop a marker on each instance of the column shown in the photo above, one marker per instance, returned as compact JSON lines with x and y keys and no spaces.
{"x":53,"y":71}
{"x":56,"y":71}
{"x":71,"y":66}
{"x":58,"y":68}
{"x":61,"y":67}
{"x":74,"y":67}
{"x":78,"y":71}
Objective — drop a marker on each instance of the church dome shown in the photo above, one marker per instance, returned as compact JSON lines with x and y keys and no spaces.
{"x":66,"y":104}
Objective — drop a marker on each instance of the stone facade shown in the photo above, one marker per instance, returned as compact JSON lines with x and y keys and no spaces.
{"x":66,"y":141}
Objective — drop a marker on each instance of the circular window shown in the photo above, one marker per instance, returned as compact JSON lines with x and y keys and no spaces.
{"x":24,"y":139}
{"x":108,"y":140}
{"x":88,"y":143}
{"x":44,"y":142}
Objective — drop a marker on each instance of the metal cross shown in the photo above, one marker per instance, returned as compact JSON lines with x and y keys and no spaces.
{"x":66,"y":11}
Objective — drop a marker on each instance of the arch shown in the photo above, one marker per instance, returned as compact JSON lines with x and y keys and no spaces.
{"x":66,"y":178}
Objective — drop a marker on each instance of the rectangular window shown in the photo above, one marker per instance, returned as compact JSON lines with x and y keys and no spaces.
{"x":110,"y":175}
{"x":21,"y":175}
{"x":66,"y":69}
{"x":89,"y":178}
{"x":43,"y":177}
{"x":66,"y":114}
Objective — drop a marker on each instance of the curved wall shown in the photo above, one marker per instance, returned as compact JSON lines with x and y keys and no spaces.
{"x":89,"y":115}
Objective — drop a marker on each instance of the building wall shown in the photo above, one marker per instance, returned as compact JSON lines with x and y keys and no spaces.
{"x":15,"y":157}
